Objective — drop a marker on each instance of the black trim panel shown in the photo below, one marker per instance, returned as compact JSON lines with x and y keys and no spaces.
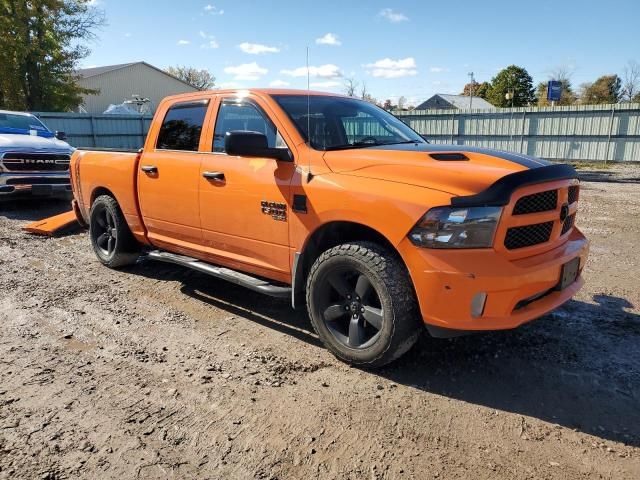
{"x":454,"y":156}
{"x":500,"y":192}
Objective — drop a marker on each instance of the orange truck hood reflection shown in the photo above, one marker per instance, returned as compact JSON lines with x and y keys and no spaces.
{"x":415,"y":167}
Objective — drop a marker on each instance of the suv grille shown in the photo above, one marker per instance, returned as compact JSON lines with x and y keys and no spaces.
{"x":537,"y":202}
{"x":520,"y":237}
{"x":25,"y":162}
{"x":573,"y":194}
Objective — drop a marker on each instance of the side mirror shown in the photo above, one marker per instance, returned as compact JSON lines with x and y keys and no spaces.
{"x":253,"y":144}
{"x":61,"y":135}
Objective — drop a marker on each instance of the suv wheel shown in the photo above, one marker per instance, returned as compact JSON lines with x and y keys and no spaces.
{"x":362,"y":304}
{"x":111,"y":238}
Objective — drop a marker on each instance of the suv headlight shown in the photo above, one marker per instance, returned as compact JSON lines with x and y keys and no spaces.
{"x":450,"y":227}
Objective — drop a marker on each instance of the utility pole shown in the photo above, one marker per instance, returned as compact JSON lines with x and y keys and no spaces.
{"x":471,"y":89}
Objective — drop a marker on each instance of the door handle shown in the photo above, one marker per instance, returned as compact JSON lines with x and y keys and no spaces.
{"x":217,"y":176}
{"x":149,"y":169}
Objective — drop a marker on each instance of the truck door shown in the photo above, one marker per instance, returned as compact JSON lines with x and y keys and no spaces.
{"x":244,"y":201}
{"x":169,"y":176}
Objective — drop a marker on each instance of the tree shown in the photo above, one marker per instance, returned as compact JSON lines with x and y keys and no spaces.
{"x":41,"y":44}
{"x":605,"y":89}
{"x":387,"y":105}
{"x":631,"y":82}
{"x":365,"y":95}
{"x":479,"y":89}
{"x":350,"y":86}
{"x":513,"y":82}
{"x":201,"y":79}
{"x":402,"y":102}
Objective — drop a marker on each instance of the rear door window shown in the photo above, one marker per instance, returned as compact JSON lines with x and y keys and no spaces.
{"x":182,"y":126}
{"x":244,"y":116}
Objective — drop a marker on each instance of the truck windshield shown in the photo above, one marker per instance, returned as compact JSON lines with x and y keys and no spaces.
{"x":338,"y":123}
{"x":21,"y":122}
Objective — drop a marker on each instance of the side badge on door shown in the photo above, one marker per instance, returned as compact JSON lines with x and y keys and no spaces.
{"x":277,"y":210}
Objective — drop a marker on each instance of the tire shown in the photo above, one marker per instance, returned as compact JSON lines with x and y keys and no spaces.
{"x":112,"y":241}
{"x":362,"y":304}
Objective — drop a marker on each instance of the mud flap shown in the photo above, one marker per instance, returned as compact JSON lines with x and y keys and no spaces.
{"x":55,"y":225}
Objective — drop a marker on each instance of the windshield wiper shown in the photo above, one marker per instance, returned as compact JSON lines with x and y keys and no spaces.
{"x":348,"y":146}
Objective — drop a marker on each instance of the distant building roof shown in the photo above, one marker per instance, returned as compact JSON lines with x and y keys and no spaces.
{"x":460,"y":102}
{"x":114,"y":84}
{"x":93,"y":71}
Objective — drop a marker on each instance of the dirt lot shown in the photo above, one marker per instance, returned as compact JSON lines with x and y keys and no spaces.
{"x":159,"y":372}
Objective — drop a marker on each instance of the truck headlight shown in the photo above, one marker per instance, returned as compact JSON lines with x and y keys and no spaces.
{"x":450,"y":227}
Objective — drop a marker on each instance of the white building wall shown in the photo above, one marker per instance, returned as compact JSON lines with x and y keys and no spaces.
{"x":137,"y":79}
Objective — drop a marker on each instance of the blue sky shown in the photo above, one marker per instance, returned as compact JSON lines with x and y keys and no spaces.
{"x":410,"y":48}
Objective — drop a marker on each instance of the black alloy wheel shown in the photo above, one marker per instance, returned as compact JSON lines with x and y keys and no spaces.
{"x":104,"y":231}
{"x":351,"y":307}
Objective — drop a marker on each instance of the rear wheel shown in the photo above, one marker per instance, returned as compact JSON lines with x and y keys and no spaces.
{"x":362,"y":304}
{"x":111,"y":238}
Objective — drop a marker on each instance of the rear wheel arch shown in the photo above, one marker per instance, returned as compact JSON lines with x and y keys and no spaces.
{"x":99,"y":191}
{"x":325,"y":237}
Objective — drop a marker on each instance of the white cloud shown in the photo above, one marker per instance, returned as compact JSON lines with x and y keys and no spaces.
{"x":210,"y":40}
{"x":327,"y":84}
{"x":393,"y":16}
{"x":279,"y":83}
{"x":256,"y":48}
{"x":210,"y":44}
{"x":246,"y":71}
{"x":183,"y":42}
{"x":438,"y":69}
{"x":329,"y":39}
{"x":388,"y":68}
{"x":127,"y":35}
{"x":323,"y":71}
{"x":213,"y":10}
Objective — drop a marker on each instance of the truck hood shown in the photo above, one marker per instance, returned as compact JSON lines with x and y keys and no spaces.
{"x":32,"y":144}
{"x":427,"y":165}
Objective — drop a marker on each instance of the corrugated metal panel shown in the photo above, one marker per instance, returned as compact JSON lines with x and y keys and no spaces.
{"x":136,"y":79}
{"x":108,"y":131}
{"x":580,"y":132}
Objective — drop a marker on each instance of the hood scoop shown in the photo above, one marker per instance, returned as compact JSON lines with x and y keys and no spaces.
{"x":449,"y":157}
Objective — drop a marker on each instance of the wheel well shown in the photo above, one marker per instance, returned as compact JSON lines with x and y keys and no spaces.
{"x":326,"y":237}
{"x":100,"y":191}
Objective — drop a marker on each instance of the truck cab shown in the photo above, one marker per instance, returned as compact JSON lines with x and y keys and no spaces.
{"x":33,"y":160}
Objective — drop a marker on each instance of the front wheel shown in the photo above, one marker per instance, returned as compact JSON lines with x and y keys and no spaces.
{"x":362,"y":304}
{"x":111,"y":238}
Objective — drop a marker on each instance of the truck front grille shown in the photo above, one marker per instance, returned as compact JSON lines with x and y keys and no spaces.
{"x":553,"y":215}
{"x":573,"y":194}
{"x":35,"y":162}
{"x":568,"y":224}
{"x":520,"y":237}
{"x":537,"y":202}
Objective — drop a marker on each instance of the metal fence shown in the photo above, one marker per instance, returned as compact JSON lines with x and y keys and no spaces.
{"x":103,"y":131}
{"x":585,"y":132}
{"x":580,"y":132}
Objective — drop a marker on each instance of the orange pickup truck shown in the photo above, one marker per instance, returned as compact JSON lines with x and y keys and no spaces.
{"x":338,"y":205}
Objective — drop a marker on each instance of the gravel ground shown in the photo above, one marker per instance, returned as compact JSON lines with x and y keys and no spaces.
{"x":160,"y":372}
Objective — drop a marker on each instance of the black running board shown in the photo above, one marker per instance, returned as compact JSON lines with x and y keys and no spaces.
{"x":239,"y":278}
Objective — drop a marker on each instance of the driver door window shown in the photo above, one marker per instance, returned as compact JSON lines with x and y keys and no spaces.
{"x":234,"y":116}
